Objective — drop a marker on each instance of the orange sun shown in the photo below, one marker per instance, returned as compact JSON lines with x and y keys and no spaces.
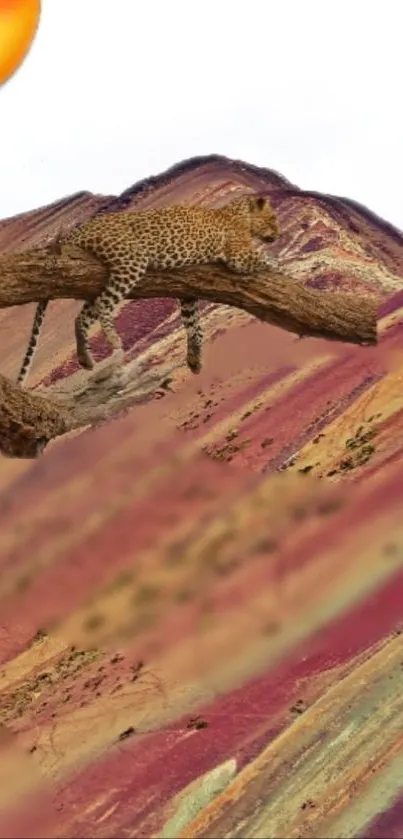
{"x":18,"y":22}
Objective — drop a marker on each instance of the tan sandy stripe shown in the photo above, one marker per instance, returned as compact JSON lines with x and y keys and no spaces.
{"x":381,"y":401}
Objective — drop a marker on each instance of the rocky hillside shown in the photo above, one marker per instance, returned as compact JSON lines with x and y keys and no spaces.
{"x":200,"y":600}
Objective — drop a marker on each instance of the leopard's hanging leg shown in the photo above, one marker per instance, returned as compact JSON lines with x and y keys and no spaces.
{"x":123,"y":276}
{"x":194,"y":335}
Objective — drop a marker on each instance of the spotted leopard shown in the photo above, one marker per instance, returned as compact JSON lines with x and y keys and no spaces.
{"x":130,"y":242}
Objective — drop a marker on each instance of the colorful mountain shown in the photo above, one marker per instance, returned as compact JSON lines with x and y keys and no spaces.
{"x":201,"y":599}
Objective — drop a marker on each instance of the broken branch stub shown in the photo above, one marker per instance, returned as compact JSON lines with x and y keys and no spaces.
{"x":27,"y":422}
{"x":69,"y":272}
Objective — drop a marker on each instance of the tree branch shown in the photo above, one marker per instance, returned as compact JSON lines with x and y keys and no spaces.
{"x":29,"y":421}
{"x":69,"y":272}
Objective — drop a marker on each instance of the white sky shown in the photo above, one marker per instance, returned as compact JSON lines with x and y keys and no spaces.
{"x":112,"y":92}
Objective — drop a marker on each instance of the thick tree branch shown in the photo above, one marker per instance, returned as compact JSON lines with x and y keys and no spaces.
{"x":67,"y":272}
{"x":29,"y":421}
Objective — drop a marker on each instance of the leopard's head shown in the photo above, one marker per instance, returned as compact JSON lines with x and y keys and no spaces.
{"x":264,"y":224}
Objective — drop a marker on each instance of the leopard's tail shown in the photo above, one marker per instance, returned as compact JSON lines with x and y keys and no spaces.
{"x":33,"y":340}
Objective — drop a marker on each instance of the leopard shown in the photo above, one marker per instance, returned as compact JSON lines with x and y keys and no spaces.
{"x":130,"y":242}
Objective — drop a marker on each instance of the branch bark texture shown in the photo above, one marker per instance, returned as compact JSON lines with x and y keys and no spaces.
{"x":274,"y":297}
